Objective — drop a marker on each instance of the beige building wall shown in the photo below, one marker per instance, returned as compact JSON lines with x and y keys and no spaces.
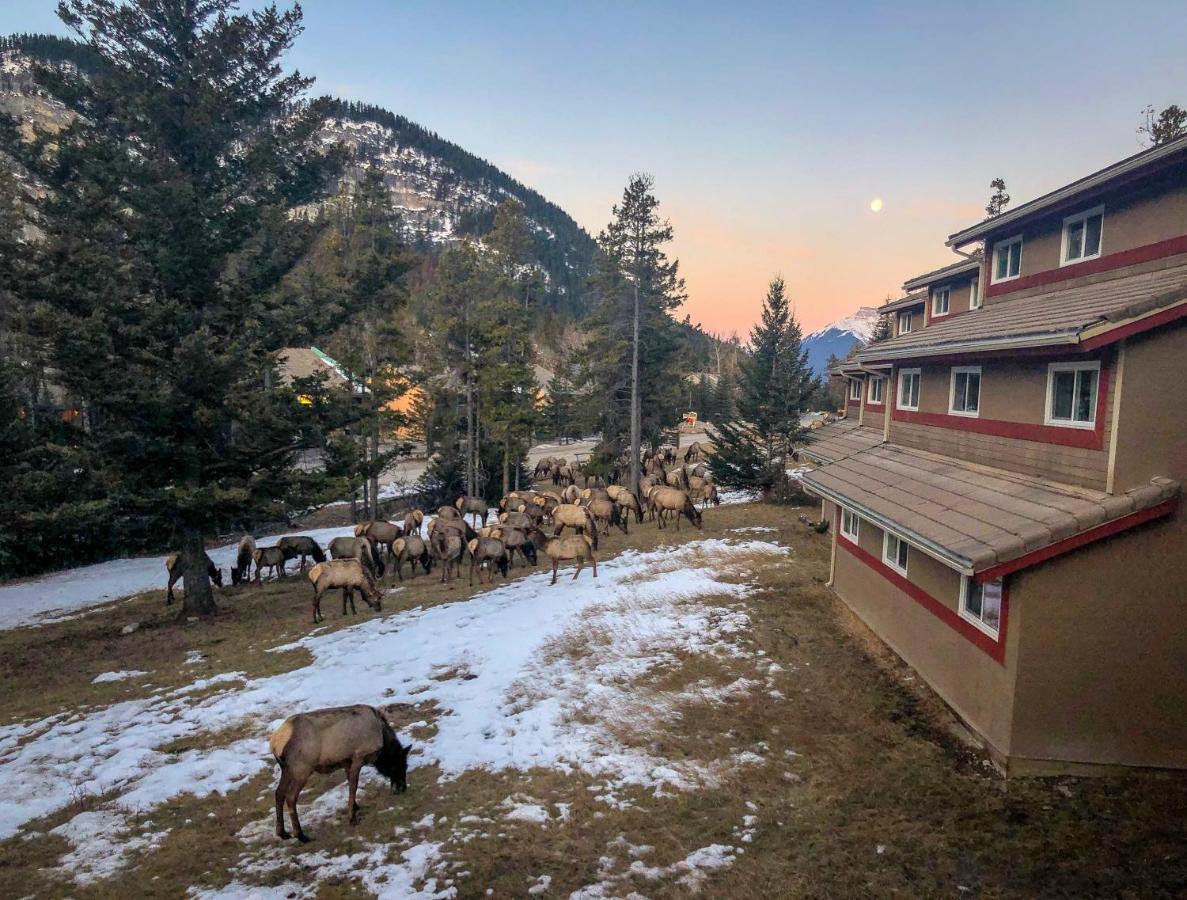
{"x":1102,"y":662}
{"x":975,"y":685}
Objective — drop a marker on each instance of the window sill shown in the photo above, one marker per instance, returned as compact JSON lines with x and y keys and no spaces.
{"x":965,"y":415}
{"x":1004,"y":280}
{"x":1062,"y":423}
{"x":979,"y":625}
{"x":1078,"y":260}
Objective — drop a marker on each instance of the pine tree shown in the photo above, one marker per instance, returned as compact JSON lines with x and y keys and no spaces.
{"x":998,"y":200}
{"x":1162,"y":127}
{"x":632,"y":359}
{"x":751,"y":450}
{"x":166,"y":232}
{"x":883,"y":330}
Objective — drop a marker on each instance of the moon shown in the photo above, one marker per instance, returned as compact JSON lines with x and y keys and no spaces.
{"x":876,"y":204}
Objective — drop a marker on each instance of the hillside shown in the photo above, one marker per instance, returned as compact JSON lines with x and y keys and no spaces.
{"x":441,"y":191}
{"x":839,"y":338}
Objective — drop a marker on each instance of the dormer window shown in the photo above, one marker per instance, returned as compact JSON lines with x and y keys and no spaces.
{"x":1007,"y":259}
{"x":1081,"y":236}
{"x":855,"y":390}
{"x":941,"y":302}
{"x":905,"y":322}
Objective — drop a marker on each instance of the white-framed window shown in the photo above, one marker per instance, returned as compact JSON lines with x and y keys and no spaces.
{"x":1072,"y":394}
{"x":975,"y":299}
{"x":1082,"y":236}
{"x":981,"y":604}
{"x":850,"y":524}
{"x":905,"y":321}
{"x":941,"y":301}
{"x":1007,"y":259}
{"x":908,"y":389}
{"x":964,"y":398}
{"x":854,"y":389}
{"x":877,"y":394}
{"x":894,"y":552}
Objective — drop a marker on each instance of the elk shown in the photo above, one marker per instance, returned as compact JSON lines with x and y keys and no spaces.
{"x":671,"y":500}
{"x":383,"y":534}
{"x":412,"y":547}
{"x":349,"y":575}
{"x":412,"y":521}
{"x":300,"y":545}
{"x":269,"y":558}
{"x":576,"y":547}
{"x":576,"y":517}
{"x":627,"y":501}
{"x":361,"y":549}
{"x":488,"y":551}
{"x":606,"y":513}
{"x":346,"y":737}
{"x":173,"y":567}
{"x":447,"y":548}
{"x":241,"y":571}
{"x":475,"y":506}
{"x":519,"y":539}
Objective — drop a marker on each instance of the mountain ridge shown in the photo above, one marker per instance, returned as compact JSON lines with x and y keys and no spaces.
{"x":839,"y":337}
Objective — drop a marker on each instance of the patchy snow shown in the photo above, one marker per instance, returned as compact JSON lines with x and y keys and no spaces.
{"x":101,"y":845}
{"x":56,"y":595}
{"x":525,"y":703}
{"x":117,"y":676}
{"x":689,"y":872}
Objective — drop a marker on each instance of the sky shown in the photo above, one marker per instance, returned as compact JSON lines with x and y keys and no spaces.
{"x":769,"y":127}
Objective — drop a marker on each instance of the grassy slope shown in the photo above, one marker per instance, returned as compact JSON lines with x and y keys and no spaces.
{"x":879,"y":801}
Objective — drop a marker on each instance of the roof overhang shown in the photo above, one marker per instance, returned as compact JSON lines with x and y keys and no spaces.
{"x":1126,"y":167}
{"x":954,"y":270}
{"x":903,"y":303}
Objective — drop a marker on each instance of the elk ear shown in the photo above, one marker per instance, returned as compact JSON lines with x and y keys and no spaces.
{"x":407,"y":750}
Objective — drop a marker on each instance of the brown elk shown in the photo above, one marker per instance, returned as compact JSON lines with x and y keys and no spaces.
{"x":569,"y":515}
{"x":347,"y":737}
{"x":575,"y":547}
{"x":474,"y":506}
{"x":605,"y":513}
{"x":349,"y":575}
{"x":300,"y":545}
{"x":173,"y":567}
{"x":241,"y":571}
{"x":383,"y":534}
{"x":489,"y":552}
{"x":446,"y":545}
{"x":269,"y":558}
{"x":671,"y":500}
{"x":412,"y":521}
{"x":361,"y":549}
{"x":412,"y":547}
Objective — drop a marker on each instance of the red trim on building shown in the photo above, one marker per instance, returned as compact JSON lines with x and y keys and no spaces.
{"x":1108,"y":529}
{"x":1120,"y":333}
{"x":1084,"y":438}
{"x":950,"y":617}
{"x":1133,"y":257}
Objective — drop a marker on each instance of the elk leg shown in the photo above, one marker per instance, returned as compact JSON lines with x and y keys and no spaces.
{"x":293,"y":794}
{"x":473,"y":563}
{"x":578,"y":570}
{"x":169,"y":591}
{"x":316,"y":606}
{"x":352,"y":777}
{"x":281,"y":791}
{"x":593,"y":562}
{"x":555,"y":565}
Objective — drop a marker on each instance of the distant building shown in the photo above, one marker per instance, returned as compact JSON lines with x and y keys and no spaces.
{"x":1006,"y":485}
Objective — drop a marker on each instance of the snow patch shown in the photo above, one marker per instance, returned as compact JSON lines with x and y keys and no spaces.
{"x":122,"y":675}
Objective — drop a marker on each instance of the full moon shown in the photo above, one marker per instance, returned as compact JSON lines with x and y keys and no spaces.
{"x":876,"y":204}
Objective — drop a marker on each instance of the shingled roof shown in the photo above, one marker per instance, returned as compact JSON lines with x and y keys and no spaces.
{"x":838,"y":440}
{"x":969,"y":516}
{"x":1062,"y":317}
{"x":960,"y":267}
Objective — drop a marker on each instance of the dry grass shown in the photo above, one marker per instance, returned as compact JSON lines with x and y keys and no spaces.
{"x":859,"y":787}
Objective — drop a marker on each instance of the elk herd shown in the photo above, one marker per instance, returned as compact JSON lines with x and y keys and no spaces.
{"x":563,"y":522}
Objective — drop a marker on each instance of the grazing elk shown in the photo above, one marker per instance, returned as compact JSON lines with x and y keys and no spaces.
{"x":413,"y":548}
{"x":605,"y":513}
{"x":346,"y":737}
{"x":475,"y":506}
{"x":488,"y":552}
{"x":361,"y":549}
{"x":241,"y":571}
{"x":569,"y":515}
{"x":300,"y":545}
{"x":269,"y":558}
{"x":351,"y":576}
{"x":447,"y":546}
{"x":383,"y":534}
{"x":173,"y":567}
{"x":671,"y":500}
{"x":575,"y":547}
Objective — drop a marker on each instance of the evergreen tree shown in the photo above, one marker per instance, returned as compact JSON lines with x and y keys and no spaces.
{"x":632,"y":359}
{"x":166,"y":231}
{"x":751,"y":451}
{"x":724,"y":409}
{"x":998,"y":200}
{"x":1162,"y":127}
{"x":883,"y":330}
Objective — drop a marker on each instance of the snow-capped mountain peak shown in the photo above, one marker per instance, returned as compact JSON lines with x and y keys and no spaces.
{"x":838,"y":338}
{"x":860,"y":324}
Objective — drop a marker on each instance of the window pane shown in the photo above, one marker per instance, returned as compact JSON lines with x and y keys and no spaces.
{"x":1075,"y":240}
{"x":1015,"y":258}
{"x":1003,"y":259}
{"x":1085,"y":395}
{"x":1092,"y":235}
{"x":972,"y":601}
{"x":1062,"y":394}
{"x":973,"y":400}
{"x":915,"y":389}
{"x":991,"y":604}
{"x":902,"y":555}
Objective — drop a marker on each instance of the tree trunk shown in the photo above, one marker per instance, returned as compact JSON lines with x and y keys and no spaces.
{"x":636,"y":419}
{"x":198,"y":599}
{"x":506,"y":466}
{"x":469,"y":435}
{"x":374,"y":467}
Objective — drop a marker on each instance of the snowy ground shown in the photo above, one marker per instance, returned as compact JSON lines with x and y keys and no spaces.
{"x":507,"y":697}
{"x":64,"y":593}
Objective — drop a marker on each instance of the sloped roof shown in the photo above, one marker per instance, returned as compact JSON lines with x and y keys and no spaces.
{"x":1140,"y":164}
{"x":838,"y":440}
{"x":951,"y":270}
{"x":969,"y":516}
{"x":916,"y":299}
{"x":301,"y":362}
{"x":1064,"y":316}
